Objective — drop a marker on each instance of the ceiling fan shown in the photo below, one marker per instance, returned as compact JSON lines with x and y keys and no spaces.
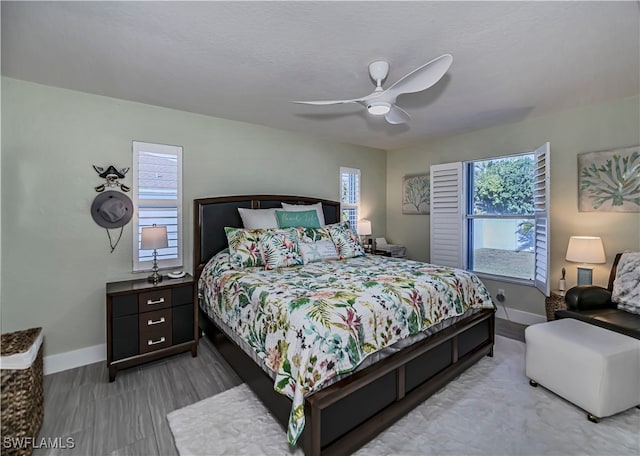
{"x":382,"y":102}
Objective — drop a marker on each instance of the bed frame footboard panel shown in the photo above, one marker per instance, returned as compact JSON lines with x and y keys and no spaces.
{"x":348,"y":414}
{"x":411,"y":376}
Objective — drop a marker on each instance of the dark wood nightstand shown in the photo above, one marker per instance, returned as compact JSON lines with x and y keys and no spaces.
{"x":147,"y":322}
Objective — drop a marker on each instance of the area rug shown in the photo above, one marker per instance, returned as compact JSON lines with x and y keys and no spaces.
{"x":490,"y":409}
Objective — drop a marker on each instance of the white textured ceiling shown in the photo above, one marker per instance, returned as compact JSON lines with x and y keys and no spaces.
{"x":247,"y":60}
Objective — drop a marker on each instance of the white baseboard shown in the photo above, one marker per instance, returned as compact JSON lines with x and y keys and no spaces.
{"x":74,"y":358}
{"x":520,"y":316}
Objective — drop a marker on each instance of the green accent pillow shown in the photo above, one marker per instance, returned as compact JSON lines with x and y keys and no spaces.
{"x":294,"y":219}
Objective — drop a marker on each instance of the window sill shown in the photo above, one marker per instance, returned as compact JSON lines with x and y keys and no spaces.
{"x":498,"y":278}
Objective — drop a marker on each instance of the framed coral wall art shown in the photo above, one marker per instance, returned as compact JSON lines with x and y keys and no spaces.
{"x":609,"y":181}
{"x":415,"y":194}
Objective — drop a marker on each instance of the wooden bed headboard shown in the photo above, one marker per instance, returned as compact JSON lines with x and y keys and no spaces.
{"x":211,"y":215}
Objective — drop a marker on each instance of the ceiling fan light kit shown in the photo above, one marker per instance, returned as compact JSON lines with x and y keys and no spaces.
{"x":379,"y":108}
{"x":382,"y":102}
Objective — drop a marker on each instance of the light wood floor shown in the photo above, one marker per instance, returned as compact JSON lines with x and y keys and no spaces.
{"x":128,"y":416}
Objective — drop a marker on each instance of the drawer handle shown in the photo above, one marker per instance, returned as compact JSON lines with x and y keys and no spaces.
{"x":159,"y":301}
{"x":157,"y":322}
{"x":154,"y":342}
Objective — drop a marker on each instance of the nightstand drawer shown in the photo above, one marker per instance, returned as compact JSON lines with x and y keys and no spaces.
{"x":156,"y":320}
{"x":154,"y":337}
{"x":154,"y":300}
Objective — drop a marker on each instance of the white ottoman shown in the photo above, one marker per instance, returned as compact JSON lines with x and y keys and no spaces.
{"x":596,"y":369}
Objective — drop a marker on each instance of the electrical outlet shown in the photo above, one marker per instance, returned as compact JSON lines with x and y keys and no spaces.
{"x":501,"y":291}
{"x":500,"y":295}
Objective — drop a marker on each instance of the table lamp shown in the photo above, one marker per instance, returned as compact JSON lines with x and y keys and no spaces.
{"x":154,"y":238}
{"x":585,"y":249}
{"x":364,"y":229}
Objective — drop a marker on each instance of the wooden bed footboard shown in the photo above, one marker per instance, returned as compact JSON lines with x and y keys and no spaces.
{"x":346,"y":415}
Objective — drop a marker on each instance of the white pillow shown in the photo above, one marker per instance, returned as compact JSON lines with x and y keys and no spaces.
{"x":253,"y":219}
{"x":306,"y":207}
{"x":318,"y":251}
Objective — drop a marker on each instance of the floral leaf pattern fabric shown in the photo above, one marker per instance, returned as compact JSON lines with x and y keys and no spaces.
{"x":308,"y":235}
{"x":313,"y":322}
{"x":346,"y":240}
{"x":244,"y":247}
{"x":280,"y":248}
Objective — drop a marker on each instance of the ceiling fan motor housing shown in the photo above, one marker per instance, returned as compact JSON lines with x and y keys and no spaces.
{"x":379,"y":70}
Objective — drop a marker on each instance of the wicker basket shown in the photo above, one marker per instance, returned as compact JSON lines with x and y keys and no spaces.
{"x":22,"y":395}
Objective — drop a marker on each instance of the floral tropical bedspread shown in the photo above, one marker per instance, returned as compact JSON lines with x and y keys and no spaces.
{"x":310,"y":323}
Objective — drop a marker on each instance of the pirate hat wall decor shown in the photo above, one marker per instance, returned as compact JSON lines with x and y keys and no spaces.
{"x":112,"y":210}
{"x":111,"y":175}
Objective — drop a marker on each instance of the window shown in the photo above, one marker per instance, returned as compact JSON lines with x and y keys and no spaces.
{"x":500,"y":217}
{"x":350,"y":195}
{"x":157,"y":194}
{"x":491,"y":216}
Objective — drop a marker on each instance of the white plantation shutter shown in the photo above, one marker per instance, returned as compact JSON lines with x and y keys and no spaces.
{"x":157,"y":195}
{"x":542,"y":197}
{"x":350,"y":195}
{"x":447,"y":210}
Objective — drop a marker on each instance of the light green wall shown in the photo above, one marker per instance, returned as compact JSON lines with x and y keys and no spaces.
{"x":56,"y":260}
{"x":598,"y":127}
{"x":0,"y":206}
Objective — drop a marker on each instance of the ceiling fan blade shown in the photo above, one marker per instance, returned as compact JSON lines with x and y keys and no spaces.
{"x":422,"y":78}
{"x":397,"y":115}
{"x":328,"y":102}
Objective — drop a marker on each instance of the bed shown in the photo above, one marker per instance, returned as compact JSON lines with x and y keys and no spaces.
{"x":345,"y":407}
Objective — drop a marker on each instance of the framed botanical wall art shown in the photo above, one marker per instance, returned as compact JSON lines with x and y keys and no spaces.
{"x":415,"y":194}
{"x":609,"y":181}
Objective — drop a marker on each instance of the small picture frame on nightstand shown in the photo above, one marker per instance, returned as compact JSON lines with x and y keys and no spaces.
{"x":585,"y":276}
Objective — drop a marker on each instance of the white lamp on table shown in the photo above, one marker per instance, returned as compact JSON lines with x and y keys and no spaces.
{"x":364,"y":229}
{"x":585,"y":249}
{"x":154,"y":238}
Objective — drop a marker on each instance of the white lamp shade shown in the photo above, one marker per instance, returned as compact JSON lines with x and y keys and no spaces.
{"x":585,"y":249}
{"x":364,"y":227}
{"x":154,"y":237}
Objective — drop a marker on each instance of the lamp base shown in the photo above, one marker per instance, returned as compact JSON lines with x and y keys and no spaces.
{"x":367,"y":243}
{"x":155,"y":278}
{"x":585,"y":275}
